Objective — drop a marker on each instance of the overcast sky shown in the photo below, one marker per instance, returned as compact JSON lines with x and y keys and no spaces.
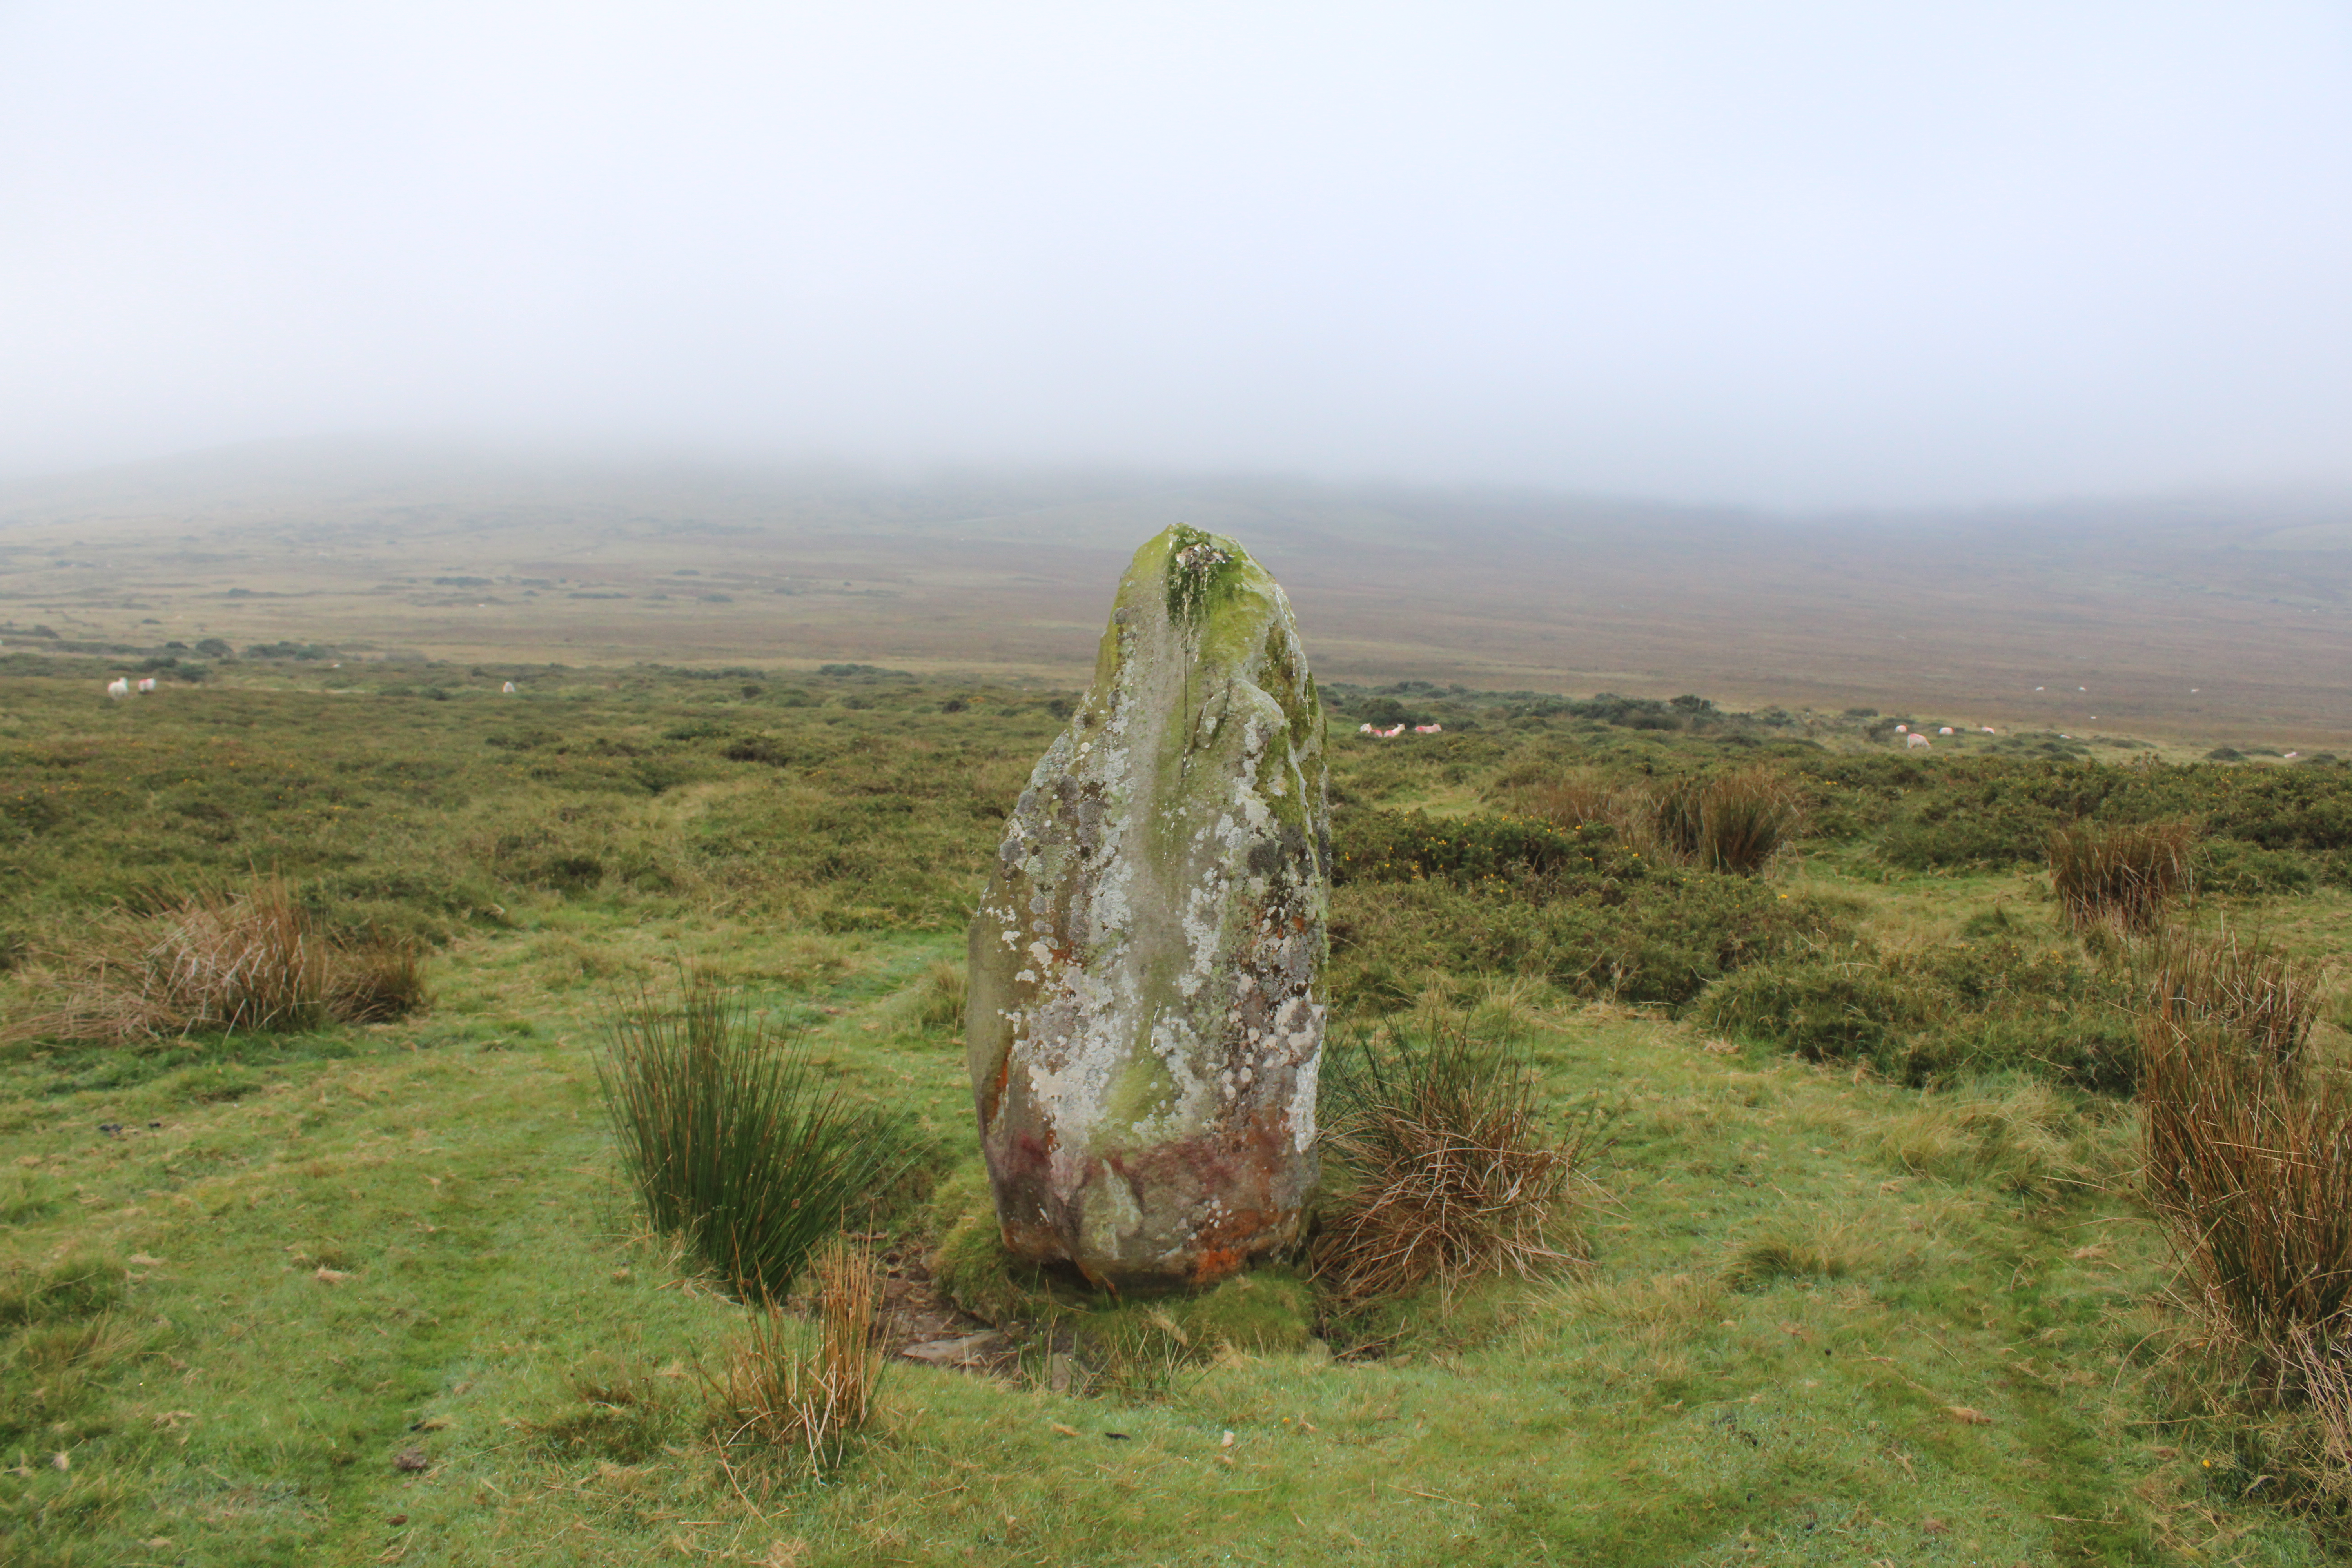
{"x":1788,"y":254}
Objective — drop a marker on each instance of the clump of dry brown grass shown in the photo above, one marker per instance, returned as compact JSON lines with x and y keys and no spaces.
{"x":247,"y":960}
{"x":1447,"y":1170}
{"x":2250,"y":1165}
{"x":2250,"y":990}
{"x":2121,"y":874}
{"x":2324,"y":1369}
{"x":1734,"y":822}
{"x":775,"y":1398}
{"x":933,"y":1003}
{"x":1576,"y":798}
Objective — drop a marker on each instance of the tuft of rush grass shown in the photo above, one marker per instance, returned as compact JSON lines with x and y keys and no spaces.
{"x":79,"y":1282}
{"x":1745,"y":818}
{"x":1733,"y":822}
{"x":1446,"y":1171}
{"x":934,"y":1003}
{"x":2024,"y":1137}
{"x":2254,"y":991}
{"x":2121,"y":874}
{"x":376,"y":981}
{"x":773,"y":1398}
{"x":619,"y":1412}
{"x":1763,"y":1260}
{"x":251,"y":960}
{"x":2323,"y":1368}
{"x":2250,"y":1166}
{"x":733,"y":1140}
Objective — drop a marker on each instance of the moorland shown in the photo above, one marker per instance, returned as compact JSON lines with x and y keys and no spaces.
{"x":1868,"y":1260}
{"x":2215,"y":617}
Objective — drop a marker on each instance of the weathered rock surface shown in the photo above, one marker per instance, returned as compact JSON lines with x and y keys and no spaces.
{"x":1145,"y":1026}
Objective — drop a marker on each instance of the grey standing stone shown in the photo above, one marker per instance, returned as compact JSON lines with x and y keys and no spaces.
{"x":1144,"y":1024}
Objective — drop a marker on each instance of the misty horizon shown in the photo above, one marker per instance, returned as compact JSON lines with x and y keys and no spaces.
{"x":1830,"y":260}
{"x":301,"y":471}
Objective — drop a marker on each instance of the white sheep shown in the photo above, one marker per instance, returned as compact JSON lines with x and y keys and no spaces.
{"x":147,"y":684}
{"x":1429,"y":729}
{"x":507,"y":689}
{"x":118,"y":688}
{"x":1945,"y":731}
{"x":1917,"y":741}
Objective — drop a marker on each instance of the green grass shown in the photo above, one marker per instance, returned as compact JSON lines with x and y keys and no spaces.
{"x":1830,"y":1319}
{"x":736,"y":1143}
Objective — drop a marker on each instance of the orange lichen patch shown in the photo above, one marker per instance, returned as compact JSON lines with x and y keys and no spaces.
{"x":1214,"y":1263}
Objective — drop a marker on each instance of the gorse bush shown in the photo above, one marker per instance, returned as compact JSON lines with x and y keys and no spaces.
{"x":1395,"y":847}
{"x":1577,"y":907}
{"x":1827,"y":1006}
{"x":2120,"y":873}
{"x":1649,"y":938}
{"x":2250,"y":1166}
{"x":1444,"y":1168}
{"x":253,"y":960}
{"x":1934,"y":1014}
{"x":733,"y":1140}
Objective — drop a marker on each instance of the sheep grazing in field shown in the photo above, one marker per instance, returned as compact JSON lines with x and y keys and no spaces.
{"x":1902,"y":728}
{"x":1915,"y":742}
{"x":118,"y":688}
{"x":1429,"y":729}
{"x":1391,"y":734}
{"x":1990,"y":730}
{"x":147,"y":683}
{"x":507,"y":689}
{"x":1945,"y":731}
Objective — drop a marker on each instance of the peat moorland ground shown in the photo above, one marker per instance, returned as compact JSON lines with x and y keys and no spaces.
{"x":1871,"y":1279}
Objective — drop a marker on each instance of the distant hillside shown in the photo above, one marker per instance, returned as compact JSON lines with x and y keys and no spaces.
{"x":2222,"y":614}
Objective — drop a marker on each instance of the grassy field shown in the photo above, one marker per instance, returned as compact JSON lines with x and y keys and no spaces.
{"x":1871,"y":1279}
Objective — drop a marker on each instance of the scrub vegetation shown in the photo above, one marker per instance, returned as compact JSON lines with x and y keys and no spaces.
{"x":1739,"y":1147}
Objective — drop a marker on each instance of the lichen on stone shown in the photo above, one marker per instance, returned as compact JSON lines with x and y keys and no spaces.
{"x":1145,"y":1020}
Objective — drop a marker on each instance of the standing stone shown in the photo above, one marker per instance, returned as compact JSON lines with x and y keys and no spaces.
{"x":1145,"y":1028}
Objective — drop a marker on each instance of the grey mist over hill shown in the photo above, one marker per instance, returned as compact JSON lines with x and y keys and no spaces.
{"x":1822,"y":255}
{"x":2227,"y":613}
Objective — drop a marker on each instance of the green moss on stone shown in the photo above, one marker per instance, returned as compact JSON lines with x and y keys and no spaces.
{"x":972,"y":1267}
{"x":1145,"y":1090}
{"x":1202,"y":571}
{"x":1265,"y":1311}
